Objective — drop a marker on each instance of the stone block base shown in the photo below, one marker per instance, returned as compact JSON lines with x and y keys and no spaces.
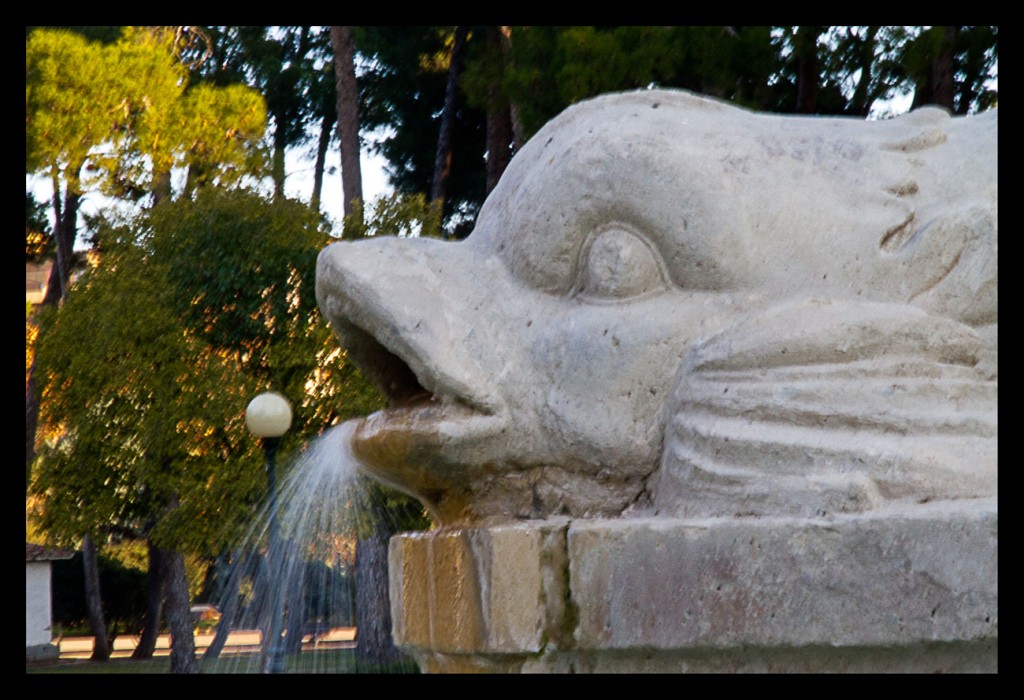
{"x":900,"y":590}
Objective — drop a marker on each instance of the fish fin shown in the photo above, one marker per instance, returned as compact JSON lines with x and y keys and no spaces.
{"x":830,"y":407}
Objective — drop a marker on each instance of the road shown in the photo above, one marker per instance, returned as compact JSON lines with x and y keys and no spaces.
{"x":239,"y":641}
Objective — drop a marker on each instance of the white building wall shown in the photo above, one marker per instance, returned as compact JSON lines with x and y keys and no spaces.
{"x":37,"y":603}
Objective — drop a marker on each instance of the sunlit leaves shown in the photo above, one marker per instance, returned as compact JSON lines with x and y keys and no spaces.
{"x":67,"y":111}
{"x":221,"y":131}
{"x":396,"y":214}
{"x":149,"y":413}
{"x":125,"y":111}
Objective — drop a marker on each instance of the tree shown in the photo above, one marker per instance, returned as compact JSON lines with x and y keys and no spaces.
{"x":137,"y":406}
{"x":179,"y":617}
{"x":154,"y":603}
{"x":275,"y":61}
{"x":198,"y":305}
{"x":67,"y":116}
{"x":951,"y":66}
{"x":443,"y":157}
{"x":347,"y":92}
{"x":403,"y":97}
{"x":115,"y":116}
{"x":324,"y":98}
{"x":384,"y":512}
{"x":805,"y":55}
{"x":292,"y":66}
{"x":504,"y":132}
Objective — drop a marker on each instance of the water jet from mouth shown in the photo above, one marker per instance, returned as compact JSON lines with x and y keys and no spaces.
{"x":323,"y":505}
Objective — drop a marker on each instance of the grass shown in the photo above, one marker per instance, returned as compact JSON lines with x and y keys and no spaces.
{"x":333,"y":661}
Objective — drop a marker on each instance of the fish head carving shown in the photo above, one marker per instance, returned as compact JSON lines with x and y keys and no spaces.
{"x":534,"y":368}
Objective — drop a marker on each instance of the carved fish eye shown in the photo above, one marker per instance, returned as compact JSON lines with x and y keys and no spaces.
{"x":619,"y":264}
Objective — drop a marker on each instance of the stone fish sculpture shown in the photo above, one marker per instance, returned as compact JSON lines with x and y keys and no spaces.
{"x":675,"y":307}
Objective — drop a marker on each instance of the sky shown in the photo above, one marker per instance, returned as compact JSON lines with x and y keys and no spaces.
{"x":298,"y":185}
{"x":298,"y":182}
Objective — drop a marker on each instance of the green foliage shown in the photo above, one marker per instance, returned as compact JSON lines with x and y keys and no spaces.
{"x":220,"y":137}
{"x":122,"y":569}
{"x":246,"y":287}
{"x":546,"y":69}
{"x":39,"y":244}
{"x":591,"y":61}
{"x":124,"y":112}
{"x":68,"y":113}
{"x":402,"y":91}
{"x":143,"y":416}
{"x":550,"y":68}
{"x":148,"y":367}
{"x":289,"y":66}
{"x":973,"y":53}
{"x":396,"y":214}
{"x":383,"y":511}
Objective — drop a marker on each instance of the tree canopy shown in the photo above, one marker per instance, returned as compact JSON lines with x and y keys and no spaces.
{"x":147,"y":368}
{"x":118,"y":116}
{"x":533,"y":73}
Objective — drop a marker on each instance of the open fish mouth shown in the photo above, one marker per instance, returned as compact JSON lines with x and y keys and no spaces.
{"x":409,"y":392}
{"x":440,"y":412}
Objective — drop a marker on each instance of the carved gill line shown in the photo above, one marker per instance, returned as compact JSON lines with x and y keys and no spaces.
{"x":897,"y":236}
{"x":938,"y":279}
{"x":903,"y":189}
{"x":730,"y":448}
{"x":914,"y":407}
{"x":918,"y":142}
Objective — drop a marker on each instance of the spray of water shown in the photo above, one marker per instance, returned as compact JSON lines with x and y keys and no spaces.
{"x":296,"y":586}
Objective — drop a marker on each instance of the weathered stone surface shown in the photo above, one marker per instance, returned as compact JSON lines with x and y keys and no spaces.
{"x":952,"y":657}
{"x":753,"y":358}
{"x":890,"y":578}
{"x":479,"y":591}
{"x":908,"y":590}
{"x":675,"y":305}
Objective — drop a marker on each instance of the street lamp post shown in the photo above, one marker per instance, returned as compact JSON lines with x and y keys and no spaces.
{"x":268,"y":417}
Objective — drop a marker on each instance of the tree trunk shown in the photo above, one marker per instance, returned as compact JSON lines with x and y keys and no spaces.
{"x":443,"y":157}
{"x":31,"y":420}
{"x":94,"y":601}
{"x":518,"y":137}
{"x":934,"y":85}
{"x":65,"y":230}
{"x":348,"y":119}
{"x":154,"y":605}
{"x":374,"y":643}
{"x":65,"y":210}
{"x":944,"y":70}
{"x":805,"y":52}
{"x":321,"y":160}
{"x":161,"y":187}
{"x":862,"y":97}
{"x":179,"y":617}
{"x":499,"y":119}
{"x":228,"y":606}
{"x":277,"y":163}
{"x":65,"y":227}
{"x":499,"y":140}
{"x":295,"y":617}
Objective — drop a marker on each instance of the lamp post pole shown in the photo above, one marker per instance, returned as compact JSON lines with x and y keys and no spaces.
{"x":269,"y":416}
